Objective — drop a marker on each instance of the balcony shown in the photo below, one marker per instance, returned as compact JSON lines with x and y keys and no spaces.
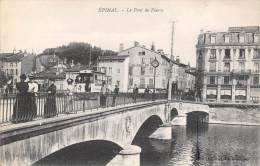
{"x":241,"y":71}
{"x":256,"y":57}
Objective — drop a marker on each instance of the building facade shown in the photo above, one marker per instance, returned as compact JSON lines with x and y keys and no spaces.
{"x":132,"y":67}
{"x":228,"y":64}
{"x":141,"y":72}
{"x":117,"y":67}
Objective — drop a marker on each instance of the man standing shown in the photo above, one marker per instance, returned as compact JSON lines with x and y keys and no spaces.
{"x":116,"y":91}
{"x":103,"y":92}
{"x":135,"y":93}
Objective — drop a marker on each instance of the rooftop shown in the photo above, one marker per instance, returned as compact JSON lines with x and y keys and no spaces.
{"x":11,"y":57}
{"x":111,"y":58}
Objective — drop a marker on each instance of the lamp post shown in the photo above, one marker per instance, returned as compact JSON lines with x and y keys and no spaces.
{"x":155,"y":64}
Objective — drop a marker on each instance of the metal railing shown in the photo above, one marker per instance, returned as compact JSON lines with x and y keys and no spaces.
{"x":27,"y":107}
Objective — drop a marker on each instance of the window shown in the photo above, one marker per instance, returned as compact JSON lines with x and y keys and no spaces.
{"x":256,"y":54}
{"x":226,"y":80}
{"x":151,"y":82}
{"x":227,"y":54}
{"x":213,"y":39}
{"x":242,"y":66}
{"x":142,"y":70}
{"x":11,"y":64}
{"x":163,"y":83}
{"x":200,"y":54}
{"x":110,"y":70}
{"x":131,"y":70}
{"x":242,"y":54}
{"x":255,"y":80}
{"x":241,"y":39}
{"x":213,"y":54}
{"x":212,"y":66}
{"x":110,"y":81}
{"x":142,"y":83}
{"x":212,"y":79}
{"x":131,"y":81}
{"x":141,"y":53}
{"x":118,"y":83}
{"x":256,"y":67}
{"x":16,"y":72}
{"x":227,"y":67}
{"x":257,"y":38}
{"x":118,"y":70}
{"x":143,"y":60}
{"x":227,"y":38}
{"x":151,"y":70}
{"x":12,"y":71}
{"x":104,"y":69}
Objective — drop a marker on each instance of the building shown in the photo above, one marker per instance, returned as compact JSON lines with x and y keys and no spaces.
{"x":228,"y":64}
{"x":117,"y":67}
{"x":15,"y":64}
{"x":141,"y":72}
{"x":133,"y":66}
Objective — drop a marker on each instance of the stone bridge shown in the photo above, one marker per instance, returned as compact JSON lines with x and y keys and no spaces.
{"x":27,"y":143}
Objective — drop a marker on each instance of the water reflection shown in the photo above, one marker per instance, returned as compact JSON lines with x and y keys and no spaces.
{"x":207,"y":145}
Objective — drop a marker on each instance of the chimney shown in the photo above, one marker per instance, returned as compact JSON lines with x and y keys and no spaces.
{"x":178,"y":59}
{"x":136,"y":43}
{"x":121,"y":47}
{"x":153,"y":47}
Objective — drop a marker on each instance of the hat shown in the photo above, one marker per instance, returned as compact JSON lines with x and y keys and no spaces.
{"x":23,"y":77}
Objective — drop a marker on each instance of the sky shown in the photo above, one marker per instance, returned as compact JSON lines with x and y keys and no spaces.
{"x":40,"y":24}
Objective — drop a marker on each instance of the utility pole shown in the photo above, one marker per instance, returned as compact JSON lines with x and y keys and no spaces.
{"x":171,"y":65}
{"x":90,"y":57}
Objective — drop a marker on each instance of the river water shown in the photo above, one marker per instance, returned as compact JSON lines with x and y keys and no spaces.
{"x":190,"y":145}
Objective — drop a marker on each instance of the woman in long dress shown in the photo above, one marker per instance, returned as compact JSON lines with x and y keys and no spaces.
{"x":21,"y":107}
{"x":50,"y":108}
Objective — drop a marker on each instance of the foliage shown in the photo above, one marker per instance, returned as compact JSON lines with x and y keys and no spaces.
{"x":79,"y":52}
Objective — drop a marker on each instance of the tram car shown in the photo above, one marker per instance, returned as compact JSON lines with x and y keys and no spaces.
{"x":89,"y":81}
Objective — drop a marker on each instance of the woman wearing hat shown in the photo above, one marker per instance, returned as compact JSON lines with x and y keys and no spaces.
{"x":50,"y":108}
{"x":21,"y":105}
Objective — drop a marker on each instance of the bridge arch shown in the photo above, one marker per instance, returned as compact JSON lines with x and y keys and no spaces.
{"x":88,"y":151}
{"x":148,"y":126}
{"x":174,"y":113}
{"x":197,"y":116}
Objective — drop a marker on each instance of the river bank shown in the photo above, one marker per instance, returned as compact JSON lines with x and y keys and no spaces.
{"x":234,"y":116}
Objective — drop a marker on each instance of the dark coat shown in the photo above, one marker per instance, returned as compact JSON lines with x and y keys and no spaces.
{"x":50,"y":108}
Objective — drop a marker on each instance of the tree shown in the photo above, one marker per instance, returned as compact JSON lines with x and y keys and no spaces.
{"x":3,"y":79}
{"x":79,"y":52}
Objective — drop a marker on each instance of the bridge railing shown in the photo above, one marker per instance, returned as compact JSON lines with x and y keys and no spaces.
{"x":27,"y":107}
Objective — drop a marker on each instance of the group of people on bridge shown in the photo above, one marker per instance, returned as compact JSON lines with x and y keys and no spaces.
{"x":25,"y":107}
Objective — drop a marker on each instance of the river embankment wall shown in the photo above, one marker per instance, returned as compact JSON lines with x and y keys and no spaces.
{"x":235,"y":115}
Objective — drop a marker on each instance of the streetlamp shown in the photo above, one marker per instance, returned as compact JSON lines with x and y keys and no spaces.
{"x":155,"y":64}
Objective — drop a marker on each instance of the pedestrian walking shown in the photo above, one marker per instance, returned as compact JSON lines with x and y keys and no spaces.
{"x":115,"y":94}
{"x":135,"y":92}
{"x":146,"y":92}
{"x":50,"y":108}
{"x":103,"y":98}
{"x":21,"y":106}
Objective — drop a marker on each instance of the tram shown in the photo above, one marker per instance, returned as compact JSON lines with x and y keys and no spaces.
{"x":89,"y":81}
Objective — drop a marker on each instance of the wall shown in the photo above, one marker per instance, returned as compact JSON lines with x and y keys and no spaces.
{"x":233,"y":115}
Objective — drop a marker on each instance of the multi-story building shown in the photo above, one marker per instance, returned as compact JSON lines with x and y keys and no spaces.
{"x":141,"y":72}
{"x":117,"y":67}
{"x":229,"y":64}
{"x":133,"y":66}
{"x":15,"y":64}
